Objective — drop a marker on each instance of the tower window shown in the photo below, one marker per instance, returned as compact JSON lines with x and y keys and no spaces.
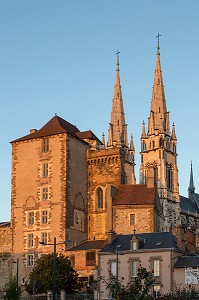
{"x":99,"y":198}
{"x":169,"y":178}
{"x":45,"y":170}
{"x":31,"y":218}
{"x":44,"y":217}
{"x":132,"y":219}
{"x":45,"y":145}
{"x":44,"y":195}
{"x":30,"y":240}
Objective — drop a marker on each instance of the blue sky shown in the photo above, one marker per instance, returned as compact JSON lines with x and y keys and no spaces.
{"x":59,"y":57}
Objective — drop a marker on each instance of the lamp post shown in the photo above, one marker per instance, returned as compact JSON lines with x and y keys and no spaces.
{"x":17,"y":278}
{"x":54,"y":261}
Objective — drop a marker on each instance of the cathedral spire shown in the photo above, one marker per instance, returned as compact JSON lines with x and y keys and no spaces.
{"x":159,"y":117}
{"x":191,"y":189}
{"x":117,"y":135}
{"x":143,"y":134}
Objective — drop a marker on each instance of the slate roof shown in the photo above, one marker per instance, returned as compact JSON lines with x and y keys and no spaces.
{"x":55,"y":126}
{"x":188,"y":205}
{"x":187,"y":261}
{"x":134,"y":194}
{"x":89,"y":245}
{"x":147,"y":241}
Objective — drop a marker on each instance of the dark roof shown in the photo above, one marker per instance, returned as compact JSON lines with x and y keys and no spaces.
{"x":4,"y":224}
{"x":147,"y":241}
{"x":55,"y":126}
{"x":89,"y":245}
{"x":88,"y":135}
{"x":189,"y":205}
{"x":134,"y":194}
{"x":187,"y":261}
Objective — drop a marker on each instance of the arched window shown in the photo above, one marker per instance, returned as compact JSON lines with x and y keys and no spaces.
{"x":99,"y":198}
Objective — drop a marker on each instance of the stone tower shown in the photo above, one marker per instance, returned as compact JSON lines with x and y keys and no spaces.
{"x":49,"y":196}
{"x":158,"y":151}
{"x":108,"y":167}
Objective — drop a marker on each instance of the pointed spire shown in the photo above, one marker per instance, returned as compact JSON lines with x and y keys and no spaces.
{"x":117,"y":135}
{"x":191,"y":189}
{"x":143,"y":135}
{"x":173,"y":135}
{"x":159,"y":117}
{"x":132,"y":148}
{"x":103,"y":140}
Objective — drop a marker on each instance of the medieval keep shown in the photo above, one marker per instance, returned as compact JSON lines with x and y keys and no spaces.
{"x":70,"y":185}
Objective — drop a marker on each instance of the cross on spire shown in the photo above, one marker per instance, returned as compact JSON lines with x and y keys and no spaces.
{"x":117,"y":64}
{"x":134,"y":230}
{"x":158,"y":47}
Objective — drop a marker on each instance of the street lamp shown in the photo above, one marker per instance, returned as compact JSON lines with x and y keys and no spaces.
{"x":54,"y":261}
{"x":17,"y":278}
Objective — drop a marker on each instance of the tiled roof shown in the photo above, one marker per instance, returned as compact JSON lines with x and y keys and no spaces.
{"x":134,"y":194}
{"x":147,"y":241}
{"x":89,"y":245}
{"x":88,"y":135}
{"x":187,"y":261}
{"x":55,"y":126}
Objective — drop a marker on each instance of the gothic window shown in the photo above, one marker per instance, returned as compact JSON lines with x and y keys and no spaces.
{"x":45,"y":170}
{"x":44,"y":217}
{"x":90,"y":258}
{"x":169,"y":178}
{"x":99,"y":198}
{"x":143,"y":146}
{"x":44,"y":193}
{"x":45,"y":145}
{"x":31,"y":218}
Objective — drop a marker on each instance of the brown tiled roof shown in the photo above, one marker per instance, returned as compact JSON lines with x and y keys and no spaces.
{"x":89,"y":245}
{"x":134,"y":195}
{"x":88,"y":135}
{"x":55,"y":126}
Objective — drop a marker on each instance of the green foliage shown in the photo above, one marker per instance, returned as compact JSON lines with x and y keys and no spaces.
{"x":181,"y":294}
{"x":41,"y":278}
{"x":139,"y":289}
{"x":11,"y":289}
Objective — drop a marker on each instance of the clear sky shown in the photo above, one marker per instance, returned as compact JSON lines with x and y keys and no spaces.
{"x":59,"y":57}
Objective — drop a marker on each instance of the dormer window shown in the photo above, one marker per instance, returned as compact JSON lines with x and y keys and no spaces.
{"x":134,"y":243}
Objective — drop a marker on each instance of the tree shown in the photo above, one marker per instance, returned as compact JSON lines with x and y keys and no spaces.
{"x":11,"y":289}
{"x":139,"y":289}
{"x":41,"y":277}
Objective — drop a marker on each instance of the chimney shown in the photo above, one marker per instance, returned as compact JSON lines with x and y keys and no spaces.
{"x":111,"y":236}
{"x":190,"y":240}
{"x":181,"y":238}
{"x":33,"y":130}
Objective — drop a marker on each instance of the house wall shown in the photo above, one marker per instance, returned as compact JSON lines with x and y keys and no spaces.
{"x":124,"y":268}
{"x":144,"y":218}
{"x":179,"y":279}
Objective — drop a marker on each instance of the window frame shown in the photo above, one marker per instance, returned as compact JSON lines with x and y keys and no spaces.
{"x":89,"y":260}
{"x":30,"y":240}
{"x":134,"y":263}
{"x":44,"y":217}
{"x":30,"y":260}
{"x":31,"y":218}
{"x":45,"y":193}
{"x":45,"y":145}
{"x":131,"y":216}
{"x":44,"y":237}
{"x":99,"y":196}
{"x":45,"y":170}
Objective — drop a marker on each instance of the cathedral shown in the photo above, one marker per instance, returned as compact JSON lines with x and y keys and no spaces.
{"x":73,"y":186}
